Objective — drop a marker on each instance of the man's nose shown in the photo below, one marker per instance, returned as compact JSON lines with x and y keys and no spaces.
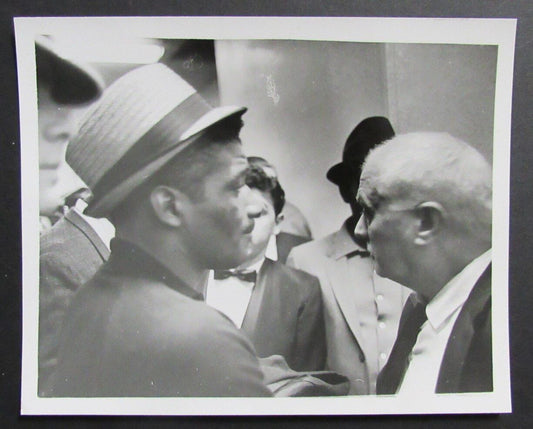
{"x":360,"y":232}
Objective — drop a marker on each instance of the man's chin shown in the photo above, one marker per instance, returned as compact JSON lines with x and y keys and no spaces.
{"x":386,"y":274}
{"x":379,"y":270}
{"x":232,"y":261}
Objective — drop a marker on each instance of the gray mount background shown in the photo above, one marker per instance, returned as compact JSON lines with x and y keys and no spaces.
{"x":521,"y":233}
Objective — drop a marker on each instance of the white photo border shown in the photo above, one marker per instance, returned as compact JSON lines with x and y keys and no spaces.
{"x":500,"y":32}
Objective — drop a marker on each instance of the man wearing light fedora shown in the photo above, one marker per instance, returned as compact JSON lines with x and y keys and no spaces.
{"x":361,"y":309}
{"x":169,"y":171}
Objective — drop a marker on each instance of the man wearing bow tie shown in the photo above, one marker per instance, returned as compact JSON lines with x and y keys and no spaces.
{"x":278,"y":308}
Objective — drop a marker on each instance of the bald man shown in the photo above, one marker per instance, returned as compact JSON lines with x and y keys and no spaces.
{"x":427,"y":218}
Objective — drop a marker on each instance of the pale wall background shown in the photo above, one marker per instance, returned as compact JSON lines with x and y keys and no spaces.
{"x":305,"y":97}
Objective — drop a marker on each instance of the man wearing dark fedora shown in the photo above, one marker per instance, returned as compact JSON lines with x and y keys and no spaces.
{"x":169,"y":171}
{"x":361,"y":309}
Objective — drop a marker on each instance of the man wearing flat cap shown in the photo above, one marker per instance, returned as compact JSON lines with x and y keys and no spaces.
{"x":75,"y":246}
{"x":65,"y":88}
{"x":169,"y":171}
{"x":361,"y":309}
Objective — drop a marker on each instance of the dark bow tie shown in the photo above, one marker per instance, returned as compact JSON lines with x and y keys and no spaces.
{"x":244,"y":275}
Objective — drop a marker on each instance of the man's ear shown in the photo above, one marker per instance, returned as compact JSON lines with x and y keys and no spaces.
{"x":277,"y":226}
{"x":430,"y":216}
{"x":167,"y":204}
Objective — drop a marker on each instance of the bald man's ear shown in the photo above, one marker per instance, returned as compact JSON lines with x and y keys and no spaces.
{"x":430,"y":216}
{"x":167,"y":205}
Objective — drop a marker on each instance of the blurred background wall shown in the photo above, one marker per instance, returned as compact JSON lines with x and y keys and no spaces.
{"x":305,"y":97}
{"x":443,"y":88}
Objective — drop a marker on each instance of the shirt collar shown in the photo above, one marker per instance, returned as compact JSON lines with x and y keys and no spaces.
{"x":103,"y":228}
{"x":272,"y":248}
{"x":455,"y":293}
{"x":344,"y":245}
{"x":130,"y":260}
{"x":257,"y":266}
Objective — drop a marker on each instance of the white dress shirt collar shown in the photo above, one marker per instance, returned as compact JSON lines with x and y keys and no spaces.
{"x":255,"y":267}
{"x":231,"y":295}
{"x":454,"y":294}
{"x":272,"y":248}
{"x":103,"y":228}
{"x":443,"y":310}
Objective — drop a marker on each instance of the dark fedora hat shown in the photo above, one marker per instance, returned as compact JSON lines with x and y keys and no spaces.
{"x":368,"y":133}
{"x":70,"y":81}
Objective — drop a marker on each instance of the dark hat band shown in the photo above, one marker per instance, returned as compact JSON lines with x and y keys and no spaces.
{"x":158,"y":140}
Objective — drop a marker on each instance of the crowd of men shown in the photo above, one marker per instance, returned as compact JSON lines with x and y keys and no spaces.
{"x":168,"y":273}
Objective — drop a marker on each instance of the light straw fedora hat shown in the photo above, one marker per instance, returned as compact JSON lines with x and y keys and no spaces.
{"x":141,"y":122}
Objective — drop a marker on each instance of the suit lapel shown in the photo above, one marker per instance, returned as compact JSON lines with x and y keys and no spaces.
{"x":341,"y":280}
{"x":78,"y":222}
{"x":253,"y":310}
{"x":457,"y":349}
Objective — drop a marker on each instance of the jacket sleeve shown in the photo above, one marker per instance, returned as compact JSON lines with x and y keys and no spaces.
{"x":57,"y":285}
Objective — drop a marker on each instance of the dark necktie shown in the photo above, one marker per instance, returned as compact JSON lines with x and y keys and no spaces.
{"x":392,"y":374}
{"x":244,"y":275}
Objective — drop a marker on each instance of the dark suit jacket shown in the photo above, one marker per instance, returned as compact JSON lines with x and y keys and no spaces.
{"x":70,"y":254}
{"x":285,"y":242}
{"x":135,"y":329}
{"x":285,"y":317}
{"x":467,"y":362}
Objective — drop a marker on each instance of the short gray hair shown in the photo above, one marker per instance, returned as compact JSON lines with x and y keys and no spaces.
{"x":437,"y":167}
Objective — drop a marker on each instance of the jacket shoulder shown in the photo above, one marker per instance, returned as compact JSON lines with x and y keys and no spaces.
{"x":56,"y":237}
{"x":318,"y":248}
{"x":293,"y":279}
{"x":171,"y":344}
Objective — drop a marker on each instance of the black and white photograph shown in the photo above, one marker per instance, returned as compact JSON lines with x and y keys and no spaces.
{"x":265,"y":216}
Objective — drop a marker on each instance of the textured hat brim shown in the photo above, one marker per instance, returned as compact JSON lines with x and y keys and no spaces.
{"x":103,"y":205}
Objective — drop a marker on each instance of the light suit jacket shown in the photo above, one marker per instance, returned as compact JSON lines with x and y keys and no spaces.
{"x":346,"y":276}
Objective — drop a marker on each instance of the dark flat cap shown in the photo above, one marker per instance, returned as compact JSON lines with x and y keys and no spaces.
{"x":70,"y":82}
